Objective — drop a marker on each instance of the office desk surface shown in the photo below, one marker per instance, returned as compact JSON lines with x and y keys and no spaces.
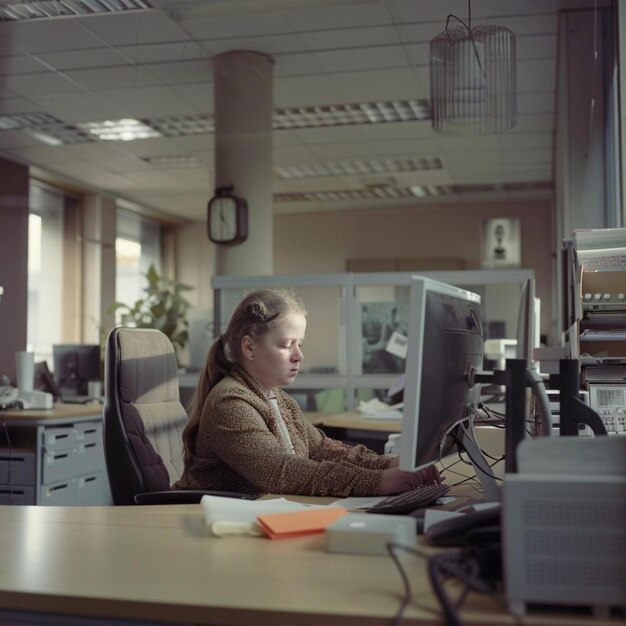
{"x":354,"y":420}
{"x":59,"y":412}
{"x":157,"y":563}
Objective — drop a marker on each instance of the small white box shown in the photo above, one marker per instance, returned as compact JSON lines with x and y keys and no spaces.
{"x":368,"y":533}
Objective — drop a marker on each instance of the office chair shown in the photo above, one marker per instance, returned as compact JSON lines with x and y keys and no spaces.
{"x":144,"y":420}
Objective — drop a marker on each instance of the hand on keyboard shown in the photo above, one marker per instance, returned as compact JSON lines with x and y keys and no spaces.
{"x":408,"y":501}
{"x":395,"y":480}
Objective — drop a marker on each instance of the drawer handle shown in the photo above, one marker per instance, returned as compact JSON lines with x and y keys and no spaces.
{"x":57,"y":487}
{"x":59,"y":456}
{"x":13,"y":459}
{"x":90,"y":445}
{"x":12,"y":491}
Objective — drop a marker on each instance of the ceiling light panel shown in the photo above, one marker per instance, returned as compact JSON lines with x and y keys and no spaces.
{"x":390,"y":192}
{"x":27,"y":120}
{"x":179,"y":126}
{"x":345,"y":114}
{"x":45,"y":128}
{"x":358,"y":168}
{"x":174,"y":162}
{"x":371,"y":193}
{"x":14,"y":11}
{"x":119,"y":130}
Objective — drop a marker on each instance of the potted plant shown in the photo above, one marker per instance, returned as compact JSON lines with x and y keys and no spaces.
{"x":163,"y":307}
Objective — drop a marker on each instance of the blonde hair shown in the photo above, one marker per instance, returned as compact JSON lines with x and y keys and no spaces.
{"x":255,"y":315}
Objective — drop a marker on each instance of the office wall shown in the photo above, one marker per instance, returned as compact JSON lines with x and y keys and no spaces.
{"x":316,"y":243}
{"x":14,"y":185}
{"x":321,"y":242}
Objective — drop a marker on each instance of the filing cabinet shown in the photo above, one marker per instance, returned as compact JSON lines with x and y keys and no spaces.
{"x":53,"y":457}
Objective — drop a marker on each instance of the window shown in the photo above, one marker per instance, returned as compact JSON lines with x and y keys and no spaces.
{"x":45,"y":270}
{"x":137,"y":245}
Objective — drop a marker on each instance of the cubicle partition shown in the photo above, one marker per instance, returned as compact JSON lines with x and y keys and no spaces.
{"x":352,"y":318}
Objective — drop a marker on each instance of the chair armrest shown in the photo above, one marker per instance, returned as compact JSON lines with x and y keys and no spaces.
{"x":185,"y":496}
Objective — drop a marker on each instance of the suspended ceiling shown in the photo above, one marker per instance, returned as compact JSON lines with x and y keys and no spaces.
{"x":155,"y":65}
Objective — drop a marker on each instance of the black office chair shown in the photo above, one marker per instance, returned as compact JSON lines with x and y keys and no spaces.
{"x":144,"y":420}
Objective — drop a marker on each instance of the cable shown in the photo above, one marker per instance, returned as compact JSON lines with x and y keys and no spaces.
{"x":9,"y":464}
{"x":474,"y":463}
{"x":406,"y":597}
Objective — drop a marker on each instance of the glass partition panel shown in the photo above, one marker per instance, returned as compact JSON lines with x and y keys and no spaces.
{"x":355,"y":342}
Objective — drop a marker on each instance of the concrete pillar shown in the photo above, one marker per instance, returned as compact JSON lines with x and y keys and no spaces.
{"x":14,"y":194}
{"x":243,"y":155}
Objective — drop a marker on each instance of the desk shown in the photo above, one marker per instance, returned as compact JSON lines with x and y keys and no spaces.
{"x":157,"y":564}
{"x":53,"y":456}
{"x":352,"y":427}
{"x":355,"y":421}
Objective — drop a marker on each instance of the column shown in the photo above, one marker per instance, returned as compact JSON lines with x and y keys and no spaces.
{"x":14,"y":193}
{"x":243,"y":155}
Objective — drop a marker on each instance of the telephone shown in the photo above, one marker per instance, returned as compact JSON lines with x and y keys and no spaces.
{"x":8,"y":395}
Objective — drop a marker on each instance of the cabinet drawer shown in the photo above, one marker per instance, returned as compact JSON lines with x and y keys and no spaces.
{"x":17,"y":468}
{"x":17,"y":495}
{"x":93,"y":489}
{"x":62,"y":493}
{"x":58,"y":465}
{"x":89,"y":457}
{"x":84,"y":458}
{"x":64,"y":437}
{"x":59,"y":438}
{"x":88,"y":433}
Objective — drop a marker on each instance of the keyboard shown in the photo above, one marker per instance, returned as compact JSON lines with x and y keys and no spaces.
{"x":408,"y":501}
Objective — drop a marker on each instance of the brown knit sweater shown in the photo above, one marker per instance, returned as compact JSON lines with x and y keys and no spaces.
{"x":238,"y":447}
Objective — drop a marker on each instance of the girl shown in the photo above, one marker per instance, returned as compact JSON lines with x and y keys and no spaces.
{"x":245,"y":434}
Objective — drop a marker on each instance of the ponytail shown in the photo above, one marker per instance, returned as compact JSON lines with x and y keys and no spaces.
{"x":216,"y":367}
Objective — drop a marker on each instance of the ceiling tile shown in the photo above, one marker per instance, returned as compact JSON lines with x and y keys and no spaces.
{"x":268,"y":44}
{"x":40,"y":84}
{"x":70,"y":60}
{"x":102,"y":78}
{"x":78,"y":107}
{"x":20,"y":65}
{"x":355,"y":14}
{"x":342,"y":38}
{"x":165,"y":51}
{"x":229,"y":27}
{"x":37,"y":35}
{"x":137,"y":28}
{"x":182,"y":71}
{"x":148,"y":102}
{"x":362,"y":58}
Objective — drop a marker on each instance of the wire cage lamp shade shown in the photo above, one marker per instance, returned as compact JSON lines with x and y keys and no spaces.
{"x":472,"y":80}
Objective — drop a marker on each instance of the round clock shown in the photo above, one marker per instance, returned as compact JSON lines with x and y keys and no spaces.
{"x":227,"y":217}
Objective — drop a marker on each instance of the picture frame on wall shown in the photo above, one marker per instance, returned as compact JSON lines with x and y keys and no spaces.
{"x":501,"y":243}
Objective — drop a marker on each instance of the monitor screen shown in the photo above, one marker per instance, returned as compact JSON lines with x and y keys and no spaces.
{"x":445,"y":345}
{"x":74,"y":366}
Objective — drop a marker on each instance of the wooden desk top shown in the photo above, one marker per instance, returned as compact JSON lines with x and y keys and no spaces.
{"x":158,"y":563}
{"x":354,"y":420}
{"x":58,"y":413}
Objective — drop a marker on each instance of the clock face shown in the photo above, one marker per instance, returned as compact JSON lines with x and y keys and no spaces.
{"x":228,"y":219}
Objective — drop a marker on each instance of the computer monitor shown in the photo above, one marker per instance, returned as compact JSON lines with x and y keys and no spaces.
{"x":446,"y":346}
{"x":528,"y":322}
{"x":75,"y":365}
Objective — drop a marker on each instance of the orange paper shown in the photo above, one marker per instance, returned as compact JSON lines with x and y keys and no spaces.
{"x":297,"y":523}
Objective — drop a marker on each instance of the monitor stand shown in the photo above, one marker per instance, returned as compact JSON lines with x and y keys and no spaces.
{"x":491,"y":490}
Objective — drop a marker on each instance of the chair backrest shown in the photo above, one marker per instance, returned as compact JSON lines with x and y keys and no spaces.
{"x":143,"y":415}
